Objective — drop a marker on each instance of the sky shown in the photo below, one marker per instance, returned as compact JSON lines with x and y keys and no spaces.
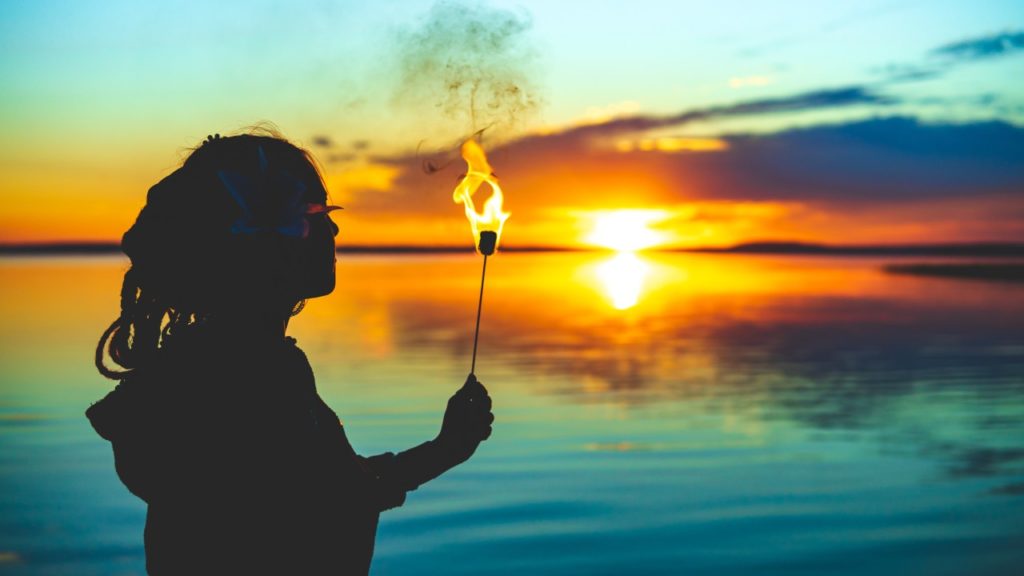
{"x":622,"y":124}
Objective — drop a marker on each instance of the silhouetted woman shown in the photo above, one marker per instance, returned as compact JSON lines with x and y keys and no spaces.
{"x":216,"y":422}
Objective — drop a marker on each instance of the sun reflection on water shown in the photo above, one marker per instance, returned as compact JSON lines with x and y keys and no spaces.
{"x":622,"y":278}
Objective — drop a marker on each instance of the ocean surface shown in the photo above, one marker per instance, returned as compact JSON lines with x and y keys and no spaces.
{"x":656,"y":414}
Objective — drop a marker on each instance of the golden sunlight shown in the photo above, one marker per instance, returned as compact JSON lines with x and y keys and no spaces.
{"x":626,"y":230}
{"x":347,"y":183}
{"x":673,"y":145}
{"x":622,"y":278}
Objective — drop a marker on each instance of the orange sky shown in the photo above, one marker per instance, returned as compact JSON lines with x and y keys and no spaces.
{"x":553,"y":201}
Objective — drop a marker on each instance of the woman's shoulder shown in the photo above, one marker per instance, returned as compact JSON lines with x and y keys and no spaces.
{"x":201,"y":375}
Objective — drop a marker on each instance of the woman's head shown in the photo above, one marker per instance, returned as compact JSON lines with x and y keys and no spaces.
{"x":241,"y":227}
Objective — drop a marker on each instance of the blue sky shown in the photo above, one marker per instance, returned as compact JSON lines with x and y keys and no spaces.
{"x":300,"y":63}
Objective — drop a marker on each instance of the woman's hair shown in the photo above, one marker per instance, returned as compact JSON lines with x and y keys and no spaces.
{"x":213,"y":236}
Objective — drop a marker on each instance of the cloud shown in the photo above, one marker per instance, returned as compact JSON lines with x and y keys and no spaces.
{"x":947,"y":56}
{"x":910,"y":72}
{"x":953,"y":181}
{"x":884,"y":159}
{"x":322,"y":141}
{"x":982,"y":47}
{"x":815,"y":100}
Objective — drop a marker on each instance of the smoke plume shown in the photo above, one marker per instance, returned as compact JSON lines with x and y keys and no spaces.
{"x":470,"y":64}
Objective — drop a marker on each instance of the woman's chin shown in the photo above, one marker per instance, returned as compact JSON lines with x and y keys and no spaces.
{"x":322,"y":288}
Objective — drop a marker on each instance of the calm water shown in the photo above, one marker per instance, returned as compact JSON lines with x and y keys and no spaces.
{"x":655,"y":415}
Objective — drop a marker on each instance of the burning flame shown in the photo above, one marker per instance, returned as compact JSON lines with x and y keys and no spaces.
{"x":478,"y":172}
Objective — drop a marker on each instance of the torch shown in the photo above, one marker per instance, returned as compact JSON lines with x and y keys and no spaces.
{"x":486,"y":226}
{"x":488,"y":242}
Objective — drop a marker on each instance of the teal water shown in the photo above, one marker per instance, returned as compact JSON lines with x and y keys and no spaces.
{"x":661,"y":414}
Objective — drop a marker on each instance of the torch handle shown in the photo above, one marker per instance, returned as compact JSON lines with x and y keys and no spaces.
{"x":479,"y":307}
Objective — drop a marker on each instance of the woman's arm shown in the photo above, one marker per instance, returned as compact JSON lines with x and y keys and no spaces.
{"x":467,"y":422}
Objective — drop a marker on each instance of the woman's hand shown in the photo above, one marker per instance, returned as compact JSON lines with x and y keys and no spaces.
{"x":467,"y":421}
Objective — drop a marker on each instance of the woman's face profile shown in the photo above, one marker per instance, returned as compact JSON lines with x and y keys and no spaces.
{"x":319,"y":266}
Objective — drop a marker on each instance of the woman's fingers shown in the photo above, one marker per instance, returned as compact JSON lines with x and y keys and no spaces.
{"x":473,"y":404}
{"x":481,"y":402}
{"x":484,"y":426}
{"x":473,"y":385}
{"x":483,"y":418}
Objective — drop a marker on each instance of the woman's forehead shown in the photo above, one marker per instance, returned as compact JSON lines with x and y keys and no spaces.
{"x":313,"y":182}
{"x":315,"y":191}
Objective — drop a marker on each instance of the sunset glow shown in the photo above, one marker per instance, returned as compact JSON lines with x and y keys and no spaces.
{"x":759,"y":307}
{"x":827,"y":140}
{"x":627,"y":230}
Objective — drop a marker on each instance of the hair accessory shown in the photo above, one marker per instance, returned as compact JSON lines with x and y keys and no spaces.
{"x":274,"y":203}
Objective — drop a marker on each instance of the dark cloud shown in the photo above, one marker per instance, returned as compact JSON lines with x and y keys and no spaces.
{"x":885,"y":159}
{"x":982,"y":47}
{"x":807,"y":101}
{"x":321,"y":141}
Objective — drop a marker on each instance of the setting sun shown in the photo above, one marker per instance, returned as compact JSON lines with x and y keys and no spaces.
{"x":627,"y":230}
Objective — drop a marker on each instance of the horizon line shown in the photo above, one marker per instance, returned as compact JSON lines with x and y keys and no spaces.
{"x":967,"y":248}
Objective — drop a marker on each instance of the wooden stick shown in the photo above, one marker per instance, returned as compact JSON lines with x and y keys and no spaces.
{"x":479,"y":307}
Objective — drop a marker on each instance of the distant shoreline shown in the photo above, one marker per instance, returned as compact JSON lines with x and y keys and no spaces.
{"x":975,"y":249}
{"x":973,"y":271}
{"x":1001,"y":249}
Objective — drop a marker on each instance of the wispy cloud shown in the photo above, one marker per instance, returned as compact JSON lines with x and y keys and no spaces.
{"x":815,"y":100}
{"x":944,"y":58}
{"x":983,"y":47}
{"x":910,"y":72}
